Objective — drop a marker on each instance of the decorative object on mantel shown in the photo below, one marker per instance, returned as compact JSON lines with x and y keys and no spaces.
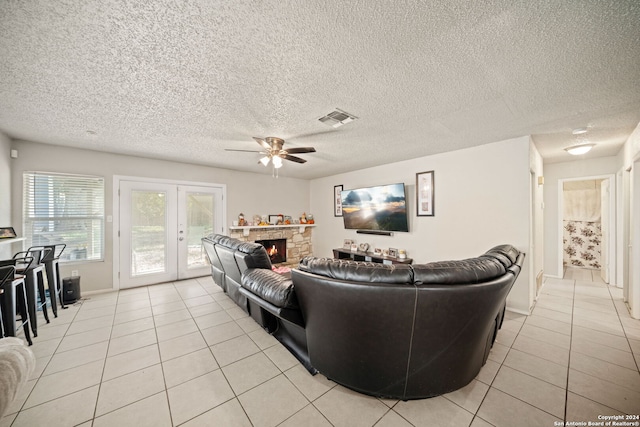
{"x":347,"y":244}
{"x":241,"y":221}
{"x":310,"y":219}
{"x":402,"y":254}
{"x":287,"y":219}
{"x":273,"y":220}
{"x":337,"y":200}
{"x":378,"y":251}
{"x":354,"y":247}
{"x":303,"y":218}
{"x":425,"y":193}
{"x":393,"y":252}
{"x":364,"y":247}
{"x":7,"y":233}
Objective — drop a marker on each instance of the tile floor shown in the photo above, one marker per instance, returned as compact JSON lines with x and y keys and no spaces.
{"x":183,"y":354}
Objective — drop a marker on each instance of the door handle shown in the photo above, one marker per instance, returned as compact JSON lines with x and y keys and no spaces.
{"x":181,"y":238}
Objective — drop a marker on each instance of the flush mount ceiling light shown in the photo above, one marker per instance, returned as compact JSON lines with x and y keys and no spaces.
{"x":579,"y":131}
{"x":577,"y":150}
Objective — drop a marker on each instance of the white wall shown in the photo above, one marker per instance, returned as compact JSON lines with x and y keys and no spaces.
{"x":5,"y":192}
{"x":482,"y":199}
{"x":553,"y":172}
{"x":246,"y":192}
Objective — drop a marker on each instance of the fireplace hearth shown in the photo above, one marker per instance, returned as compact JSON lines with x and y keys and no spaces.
{"x":276,"y":248}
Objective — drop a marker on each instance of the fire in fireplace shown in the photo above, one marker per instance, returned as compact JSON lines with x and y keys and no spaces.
{"x":277,"y":249}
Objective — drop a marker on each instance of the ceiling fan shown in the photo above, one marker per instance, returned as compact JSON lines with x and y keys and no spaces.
{"x":274,"y":152}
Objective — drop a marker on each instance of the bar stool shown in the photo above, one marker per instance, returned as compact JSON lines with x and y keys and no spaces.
{"x":14,"y":301}
{"x":54,"y":281}
{"x":34,"y":283}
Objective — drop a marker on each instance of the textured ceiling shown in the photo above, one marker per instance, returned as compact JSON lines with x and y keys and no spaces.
{"x":184,"y":80}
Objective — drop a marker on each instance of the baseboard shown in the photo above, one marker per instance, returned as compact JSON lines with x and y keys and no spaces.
{"x":518,"y":311}
{"x":96,"y":292}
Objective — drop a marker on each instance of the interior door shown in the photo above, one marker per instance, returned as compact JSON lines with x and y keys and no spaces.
{"x":148,"y":229}
{"x":199,"y":214}
{"x":604,"y":225}
{"x":161,"y":227}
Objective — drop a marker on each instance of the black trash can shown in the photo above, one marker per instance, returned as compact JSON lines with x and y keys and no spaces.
{"x":71,"y":289}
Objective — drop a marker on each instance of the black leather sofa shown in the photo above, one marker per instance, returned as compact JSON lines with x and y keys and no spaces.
{"x":229,"y":259}
{"x":396,"y":331}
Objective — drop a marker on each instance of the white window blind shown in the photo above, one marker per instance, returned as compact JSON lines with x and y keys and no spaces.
{"x":65,"y":209}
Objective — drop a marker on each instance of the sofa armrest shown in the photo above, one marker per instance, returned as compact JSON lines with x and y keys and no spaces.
{"x":270,"y":286}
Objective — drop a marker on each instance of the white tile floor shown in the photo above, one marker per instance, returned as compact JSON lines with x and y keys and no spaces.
{"x":184,"y":354}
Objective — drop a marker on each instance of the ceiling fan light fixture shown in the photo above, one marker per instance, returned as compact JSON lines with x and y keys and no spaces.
{"x":577,"y":150}
{"x":265,"y":160}
{"x":277,"y":162}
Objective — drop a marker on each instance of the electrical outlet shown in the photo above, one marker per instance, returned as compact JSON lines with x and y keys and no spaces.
{"x":74,"y":272}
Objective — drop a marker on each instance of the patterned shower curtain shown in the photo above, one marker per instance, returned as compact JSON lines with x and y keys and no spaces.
{"x":582,"y":224}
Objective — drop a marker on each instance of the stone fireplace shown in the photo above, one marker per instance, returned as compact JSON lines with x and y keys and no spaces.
{"x":276,"y":248}
{"x":298,"y":240}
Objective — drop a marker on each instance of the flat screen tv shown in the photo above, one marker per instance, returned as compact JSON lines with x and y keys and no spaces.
{"x":381,"y":208}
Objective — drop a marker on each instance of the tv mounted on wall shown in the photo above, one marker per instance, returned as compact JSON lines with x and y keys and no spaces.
{"x":383,"y":208}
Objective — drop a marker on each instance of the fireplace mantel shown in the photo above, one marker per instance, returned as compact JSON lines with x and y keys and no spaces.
{"x":246,"y":229}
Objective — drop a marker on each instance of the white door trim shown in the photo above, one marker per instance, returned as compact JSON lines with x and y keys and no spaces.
{"x":115,"y":244}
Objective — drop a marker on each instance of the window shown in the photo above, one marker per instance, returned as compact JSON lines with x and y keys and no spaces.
{"x":65,"y":209}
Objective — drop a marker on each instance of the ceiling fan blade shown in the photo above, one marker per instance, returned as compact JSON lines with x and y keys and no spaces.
{"x":294,"y":158}
{"x":300,"y":150}
{"x":263,"y":143}
{"x":245,"y":151}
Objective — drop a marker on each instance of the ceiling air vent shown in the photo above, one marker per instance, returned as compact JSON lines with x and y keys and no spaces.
{"x":337,"y":118}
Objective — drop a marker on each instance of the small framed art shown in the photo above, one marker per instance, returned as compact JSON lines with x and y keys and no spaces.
{"x":337,"y":200}
{"x":7,"y":233}
{"x":425,"y":193}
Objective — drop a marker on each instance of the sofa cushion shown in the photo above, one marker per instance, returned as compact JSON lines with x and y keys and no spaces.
{"x":356,"y":271}
{"x":466,"y":271}
{"x":227,"y":242}
{"x":506,"y":254}
{"x":253,"y":255}
{"x":270,"y":286}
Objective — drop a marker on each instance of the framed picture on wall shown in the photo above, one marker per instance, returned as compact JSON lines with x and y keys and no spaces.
{"x":337,"y":200}
{"x":7,"y":233}
{"x":425,"y":193}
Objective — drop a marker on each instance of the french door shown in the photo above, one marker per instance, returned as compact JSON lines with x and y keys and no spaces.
{"x":161,"y":225}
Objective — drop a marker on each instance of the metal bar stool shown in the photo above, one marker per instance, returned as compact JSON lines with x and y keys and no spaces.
{"x":34,"y":283}
{"x":54,"y":281}
{"x":14,"y":301}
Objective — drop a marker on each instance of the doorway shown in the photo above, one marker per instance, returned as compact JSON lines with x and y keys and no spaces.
{"x":160,"y":225}
{"x":587,"y":223}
